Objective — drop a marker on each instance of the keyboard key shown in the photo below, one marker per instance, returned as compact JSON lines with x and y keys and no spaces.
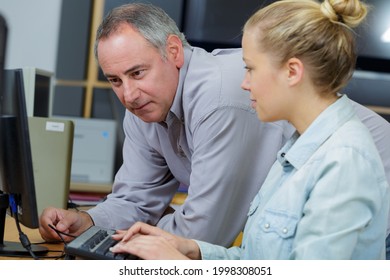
{"x":104,"y":247}
{"x":94,"y":244}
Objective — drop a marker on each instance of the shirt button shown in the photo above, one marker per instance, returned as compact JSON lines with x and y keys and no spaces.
{"x":285,"y":230}
{"x":283,"y":154}
{"x":266,"y":226}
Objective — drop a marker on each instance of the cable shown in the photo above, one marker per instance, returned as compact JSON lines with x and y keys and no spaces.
{"x":60,"y":233}
{"x":22,"y":236}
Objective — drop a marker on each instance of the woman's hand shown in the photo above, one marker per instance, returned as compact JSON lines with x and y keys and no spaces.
{"x":149,"y":242}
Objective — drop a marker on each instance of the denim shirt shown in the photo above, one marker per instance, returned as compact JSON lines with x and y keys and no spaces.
{"x":326,"y":197}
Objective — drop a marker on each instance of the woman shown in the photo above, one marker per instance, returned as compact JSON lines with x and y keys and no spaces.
{"x":326,"y":196}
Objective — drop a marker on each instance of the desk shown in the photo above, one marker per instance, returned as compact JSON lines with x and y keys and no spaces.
{"x":11,"y":234}
{"x":55,"y":249}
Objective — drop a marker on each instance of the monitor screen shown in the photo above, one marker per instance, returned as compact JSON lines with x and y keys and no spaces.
{"x":373,"y":38}
{"x":38,"y":91}
{"x":42,"y":95}
{"x":212,"y":24}
{"x":3,"y":36}
{"x":17,"y":190}
{"x":16,"y":161}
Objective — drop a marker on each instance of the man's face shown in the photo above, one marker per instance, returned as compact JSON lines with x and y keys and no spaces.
{"x":144,"y":82}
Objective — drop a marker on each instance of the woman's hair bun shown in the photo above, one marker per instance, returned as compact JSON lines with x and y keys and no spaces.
{"x":348,"y":12}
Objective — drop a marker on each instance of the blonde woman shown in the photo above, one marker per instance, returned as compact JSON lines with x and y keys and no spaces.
{"x":326,"y":196}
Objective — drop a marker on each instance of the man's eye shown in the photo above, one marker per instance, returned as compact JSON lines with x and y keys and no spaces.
{"x":114,"y":81}
{"x":138,"y":74}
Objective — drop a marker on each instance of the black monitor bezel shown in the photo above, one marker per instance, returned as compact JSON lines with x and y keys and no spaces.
{"x":16,"y":165}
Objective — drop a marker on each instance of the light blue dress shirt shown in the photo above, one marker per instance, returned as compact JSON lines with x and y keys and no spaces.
{"x":326,"y":197}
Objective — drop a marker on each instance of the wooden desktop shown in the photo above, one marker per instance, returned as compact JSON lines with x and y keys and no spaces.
{"x":55,"y":249}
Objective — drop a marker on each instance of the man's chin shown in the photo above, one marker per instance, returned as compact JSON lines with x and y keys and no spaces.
{"x":148,"y":118}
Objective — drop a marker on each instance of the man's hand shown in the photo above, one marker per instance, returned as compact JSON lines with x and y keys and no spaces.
{"x":66,"y":221}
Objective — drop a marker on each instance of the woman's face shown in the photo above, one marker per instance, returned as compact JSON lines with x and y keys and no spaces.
{"x":265,"y":80}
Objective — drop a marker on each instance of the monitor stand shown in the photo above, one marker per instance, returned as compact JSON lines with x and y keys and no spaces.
{"x":13,"y":249}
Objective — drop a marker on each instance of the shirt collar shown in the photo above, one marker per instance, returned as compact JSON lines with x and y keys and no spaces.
{"x":299,"y":148}
{"x":176,"y":111}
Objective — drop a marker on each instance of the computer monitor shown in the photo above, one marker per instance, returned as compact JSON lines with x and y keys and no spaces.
{"x":3,"y":41}
{"x":373,"y":40}
{"x":38,"y":90}
{"x":17,"y":190}
{"x":213,"y":24}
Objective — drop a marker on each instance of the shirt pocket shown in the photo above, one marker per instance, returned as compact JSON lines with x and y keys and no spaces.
{"x":278,"y":228}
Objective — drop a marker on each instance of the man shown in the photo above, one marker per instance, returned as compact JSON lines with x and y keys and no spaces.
{"x":187,"y":122}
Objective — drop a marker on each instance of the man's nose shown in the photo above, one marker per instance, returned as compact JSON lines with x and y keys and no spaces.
{"x":130,"y":92}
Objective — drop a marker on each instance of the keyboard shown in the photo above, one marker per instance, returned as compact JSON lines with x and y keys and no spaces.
{"x":94,"y":244}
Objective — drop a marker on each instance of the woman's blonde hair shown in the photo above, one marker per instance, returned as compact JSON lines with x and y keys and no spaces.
{"x":319,"y":34}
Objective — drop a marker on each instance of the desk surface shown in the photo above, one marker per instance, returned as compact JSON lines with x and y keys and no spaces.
{"x":55,"y":249}
{"x":11,"y":234}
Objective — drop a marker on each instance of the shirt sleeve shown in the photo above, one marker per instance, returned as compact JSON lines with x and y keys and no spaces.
{"x":349,"y":194}
{"x":215,"y":252}
{"x":380,"y":132}
{"x":143,"y":186}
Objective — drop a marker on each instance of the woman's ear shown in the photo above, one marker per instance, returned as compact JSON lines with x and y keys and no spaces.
{"x":175,"y":50}
{"x":295,"y":71}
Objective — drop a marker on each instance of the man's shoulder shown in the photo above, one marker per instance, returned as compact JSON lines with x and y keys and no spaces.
{"x":372,"y":120}
{"x":216,"y":53}
{"x":231,"y":51}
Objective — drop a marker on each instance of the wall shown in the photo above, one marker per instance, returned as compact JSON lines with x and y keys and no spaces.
{"x":33,"y":28}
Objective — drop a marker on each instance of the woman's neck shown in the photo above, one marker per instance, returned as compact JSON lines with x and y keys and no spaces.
{"x":308,"y":110}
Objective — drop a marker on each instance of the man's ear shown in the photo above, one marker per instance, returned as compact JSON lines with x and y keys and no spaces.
{"x":295,"y":71}
{"x":175,"y":50}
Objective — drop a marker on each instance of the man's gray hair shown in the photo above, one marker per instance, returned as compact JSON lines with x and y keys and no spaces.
{"x":150,"y":21}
